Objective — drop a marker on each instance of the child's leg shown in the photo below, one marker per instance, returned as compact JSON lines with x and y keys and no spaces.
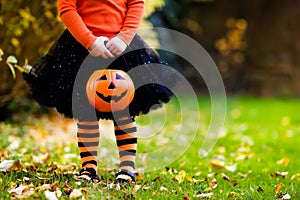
{"x":125,"y":132}
{"x":88,"y":140}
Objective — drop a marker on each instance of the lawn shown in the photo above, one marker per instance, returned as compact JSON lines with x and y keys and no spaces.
{"x":255,"y":157}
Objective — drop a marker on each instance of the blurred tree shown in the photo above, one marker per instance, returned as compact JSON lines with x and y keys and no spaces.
{"x":28,"y":28}
{"x":255,"y":43}
{"x":267,"y":59}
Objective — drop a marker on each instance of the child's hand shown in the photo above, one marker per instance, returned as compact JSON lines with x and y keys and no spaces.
{"x":98,"y":48}
{"x":116,"y":46}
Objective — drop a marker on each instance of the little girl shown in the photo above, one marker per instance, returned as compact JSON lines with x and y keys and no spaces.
{"x":106,"y":31}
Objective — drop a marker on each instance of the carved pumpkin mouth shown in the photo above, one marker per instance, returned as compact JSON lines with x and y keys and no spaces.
{"x":111,"y":98}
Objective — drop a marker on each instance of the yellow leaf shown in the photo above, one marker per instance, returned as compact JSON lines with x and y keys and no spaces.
{"x":181,"y":176}
{"x":182,"y":164}
{"x":241,"y":24}
{"x":278,"y":188}
{"x":233,"y":194}
{"x":1,"y":54}
{"x":49,"y":14}
{"x":217,"y":164}
{"x":284,"y":161}
{"x":15,"y":42}
{"x":11,"y":60}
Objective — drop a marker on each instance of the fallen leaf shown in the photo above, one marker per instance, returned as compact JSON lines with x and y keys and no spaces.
{"x":180,"y":177}
{"x":8,"y":165}
{"x":137,"y":187}
{"x":185,"y":198}
{"x":208,"y":189}
{"x":231,"y":168}
{"x":26,"y":179}
{"x":67,"y":187}
{"x":75,"y":193}
{"x":14,"y":145}
{"x":51,"y":187}
{"x":50,"y":195}
{"x":19,"y":190}
{"x":42,"y":158}
{"x":158,"y":178}
{"x":213,"y":184}
{"x":25,"y":194}
{"x":204,"y":195}
{"x":241,"y":156}
{"x":139,"y":176}
{"x":242,"y":175}
{"x":146,"y":187}
{"x":162,"y":188}
{"x":225,"y":177}
{"x":217,"y":164}
{"x":286,"y":196}
{"x":281,"y":174}
{"x":284,"y":161}
{"x":296,"y":176}
{"x":221,"y":150}
{"x":58,"y":192}
{"x":277,"y":188}
{"x":251,"y":188}
{"x":233,"y":194}
{"x":113,"y":186}
{"x":244,"y":149}
{"x":210,"y":175}
{"x":70,"y":155}
{"x":198,"y":174}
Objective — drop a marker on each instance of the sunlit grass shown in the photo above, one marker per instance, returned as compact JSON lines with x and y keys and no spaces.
{"x":260,"y":142}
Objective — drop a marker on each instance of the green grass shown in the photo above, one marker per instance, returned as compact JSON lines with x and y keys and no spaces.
{"x":260,"y":138}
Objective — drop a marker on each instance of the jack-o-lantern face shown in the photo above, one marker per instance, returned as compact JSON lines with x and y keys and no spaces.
{"x":110,"y":90}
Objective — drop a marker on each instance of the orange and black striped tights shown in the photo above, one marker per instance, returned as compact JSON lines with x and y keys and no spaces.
{"x":88,"y":140}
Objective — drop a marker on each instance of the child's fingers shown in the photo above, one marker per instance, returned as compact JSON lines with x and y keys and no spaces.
{"x":116,"y":46}
{"x":107,"y":54}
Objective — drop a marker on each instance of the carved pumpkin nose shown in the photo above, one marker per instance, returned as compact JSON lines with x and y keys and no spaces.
{"x":111,"y":86}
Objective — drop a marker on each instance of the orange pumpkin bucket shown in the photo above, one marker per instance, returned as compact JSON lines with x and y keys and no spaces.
{"x":110,"y":90}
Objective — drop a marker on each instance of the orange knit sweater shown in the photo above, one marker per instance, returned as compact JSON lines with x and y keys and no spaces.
{"x":87,"y":19}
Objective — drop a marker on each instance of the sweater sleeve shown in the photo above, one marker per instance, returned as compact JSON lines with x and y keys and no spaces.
{"x":132,"y":21}
{"x":67,"y":11}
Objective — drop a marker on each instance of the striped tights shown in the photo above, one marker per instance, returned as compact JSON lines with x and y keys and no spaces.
{"x":88,"y":141}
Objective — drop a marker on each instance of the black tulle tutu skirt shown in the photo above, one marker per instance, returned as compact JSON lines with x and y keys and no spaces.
{"x":59,"y":78}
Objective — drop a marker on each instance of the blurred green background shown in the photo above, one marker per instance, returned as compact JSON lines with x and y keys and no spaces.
{"x":254,"y":43}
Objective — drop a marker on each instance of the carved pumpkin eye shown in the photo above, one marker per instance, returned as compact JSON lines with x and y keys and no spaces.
{"x":102,"y":78}
{"x":113,"y":91}
{"x":118,"y":77}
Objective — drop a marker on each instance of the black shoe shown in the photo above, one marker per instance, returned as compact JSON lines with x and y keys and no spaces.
{"x":88,"y":174}
{"x":125,"y":176}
